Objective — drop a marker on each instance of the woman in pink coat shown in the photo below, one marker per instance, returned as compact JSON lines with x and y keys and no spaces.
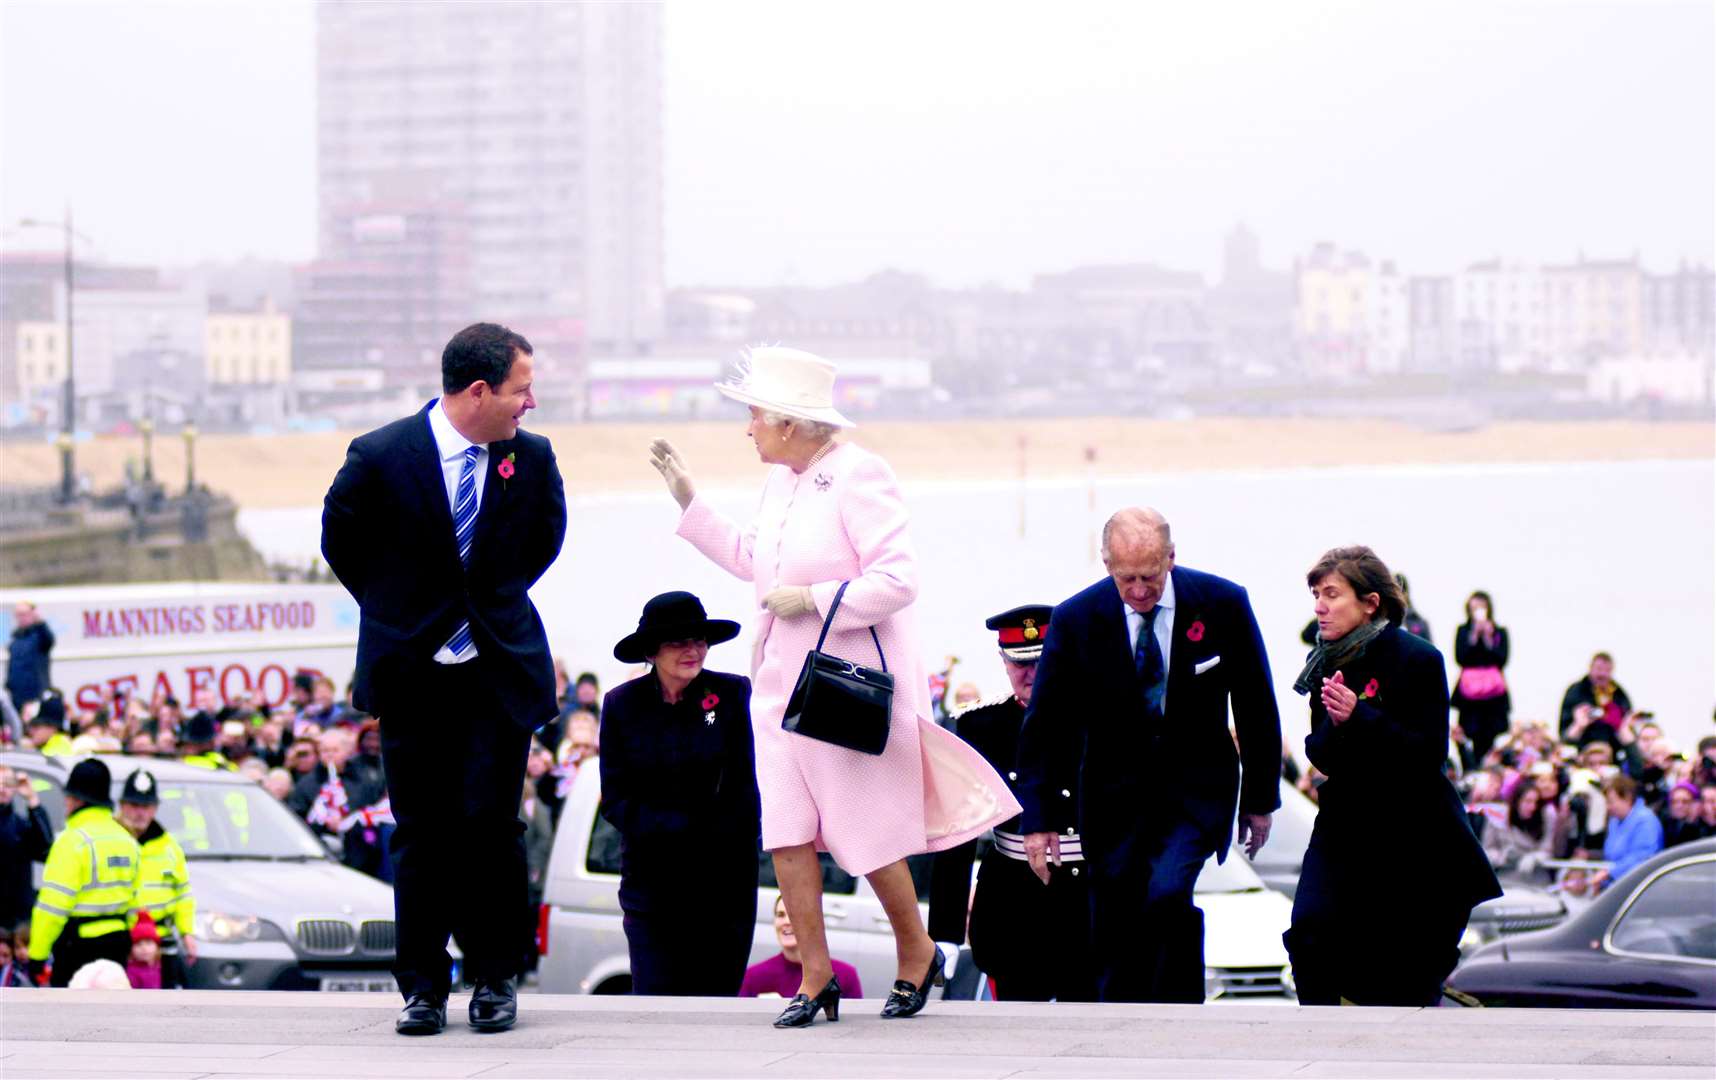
{"x":831,"y":512}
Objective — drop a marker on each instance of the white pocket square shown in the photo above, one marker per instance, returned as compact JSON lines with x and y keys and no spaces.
{"x":1206,"y":665}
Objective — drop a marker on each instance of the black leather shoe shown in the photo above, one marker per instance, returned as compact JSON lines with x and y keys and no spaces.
{"x":494,"y":1005}
{"x":803,"y":1008}
{"x":908,"y":1000}
{"x":424,"y":1014}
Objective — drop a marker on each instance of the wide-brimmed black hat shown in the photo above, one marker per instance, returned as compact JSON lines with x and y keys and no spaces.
{"x":91,"y":782}
{"x":140,"y":788}
{"x":672,"y":616}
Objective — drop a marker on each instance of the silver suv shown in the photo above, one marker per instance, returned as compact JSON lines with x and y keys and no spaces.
{"x":275,"y":911}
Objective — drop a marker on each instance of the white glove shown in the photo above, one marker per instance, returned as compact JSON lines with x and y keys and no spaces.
{"x":672,"y":468}
{"x":791,"y":602}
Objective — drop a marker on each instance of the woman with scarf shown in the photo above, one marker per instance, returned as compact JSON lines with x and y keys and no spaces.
{"x":1366,"y":929}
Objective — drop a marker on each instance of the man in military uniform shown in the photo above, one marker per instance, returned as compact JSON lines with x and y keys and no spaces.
{"x":1033,"y":942}
{"x":89,"y":883}
{"x":164,"y":887}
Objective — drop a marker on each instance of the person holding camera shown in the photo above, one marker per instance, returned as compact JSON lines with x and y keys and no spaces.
{"x":1595,"y":708}
{"x":1480,"y":697}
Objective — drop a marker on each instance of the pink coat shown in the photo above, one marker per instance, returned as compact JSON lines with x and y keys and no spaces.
{"x":844,"y":520}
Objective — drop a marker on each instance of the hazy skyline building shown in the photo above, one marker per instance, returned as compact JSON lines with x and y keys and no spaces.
{"x":538,"y":126}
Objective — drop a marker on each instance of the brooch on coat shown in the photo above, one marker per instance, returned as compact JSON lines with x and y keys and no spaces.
{"x":709,"y":704}
{"x":823,"y":482}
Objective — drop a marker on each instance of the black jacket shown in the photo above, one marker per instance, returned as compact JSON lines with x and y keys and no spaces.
{"x":1584,"y":693}
{"x":27,"y":662}
{"x":1084,"y":741}
{"x":682,"y":791}
{"x":1477,"y":654}
{"x":24,"y":839}
{"x":387,"y":532}
{"x":1387,"y":812}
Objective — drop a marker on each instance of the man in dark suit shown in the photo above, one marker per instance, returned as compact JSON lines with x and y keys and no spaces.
{"x":438,"y":524}
{"x":1128,"y":723}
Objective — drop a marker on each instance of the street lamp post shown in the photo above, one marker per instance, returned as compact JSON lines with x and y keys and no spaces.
{"x":190,"y":458}
{"x":148,"y":428}
{"x":68,"y":412}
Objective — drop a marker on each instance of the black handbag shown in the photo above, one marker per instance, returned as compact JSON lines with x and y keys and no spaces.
{"x":838,"y":701}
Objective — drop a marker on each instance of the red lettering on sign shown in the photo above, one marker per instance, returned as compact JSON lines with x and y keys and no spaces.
{"x":200,"y":679}
{"x":226,"y":694}
{"x":264,"y":695}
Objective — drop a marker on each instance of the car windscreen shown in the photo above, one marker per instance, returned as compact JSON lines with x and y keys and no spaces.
{"x":215,"y":821}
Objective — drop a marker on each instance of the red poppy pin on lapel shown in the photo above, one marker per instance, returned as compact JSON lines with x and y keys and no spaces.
{"x":506,"y":468}
{"x":1195,"y":632}
{"x":1371,"y":689}
{"x":709,"y":703}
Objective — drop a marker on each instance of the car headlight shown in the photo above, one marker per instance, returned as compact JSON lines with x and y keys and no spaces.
{"x":219,"y":926}
{"x":1287,"y":983}
{"x":1212,"y":983}
{"x":1470,"y":940}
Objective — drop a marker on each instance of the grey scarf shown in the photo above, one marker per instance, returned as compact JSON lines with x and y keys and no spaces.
{"x":1330,"y":655}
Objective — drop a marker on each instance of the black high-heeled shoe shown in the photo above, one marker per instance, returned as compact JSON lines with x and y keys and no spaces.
{"x":803,"y":1009}
{"x":908,"y":1000}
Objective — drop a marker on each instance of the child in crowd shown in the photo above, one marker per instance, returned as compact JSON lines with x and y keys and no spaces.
{"x":144,"y":967}
{"x":12,"y":970}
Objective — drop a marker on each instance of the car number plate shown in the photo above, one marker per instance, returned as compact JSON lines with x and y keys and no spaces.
{"x":360,"y":985}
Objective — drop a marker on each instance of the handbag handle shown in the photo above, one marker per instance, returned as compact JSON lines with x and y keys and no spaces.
{"x":826,"y":623}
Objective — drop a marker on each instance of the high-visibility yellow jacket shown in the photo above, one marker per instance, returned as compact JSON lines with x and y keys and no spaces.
{"x":57,"y":745}
{"x":164,"y":890}
{"x":91,"y":876}
{"x":211,"y":759}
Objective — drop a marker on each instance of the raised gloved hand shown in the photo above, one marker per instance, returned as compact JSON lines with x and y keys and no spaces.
{"x":790,"y":602}
{"x":672,"y":468}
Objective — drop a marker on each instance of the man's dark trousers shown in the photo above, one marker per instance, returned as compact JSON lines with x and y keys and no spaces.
{"x":1152,"y":947}
{"x":72,"y":952}
{"x":455,"y":773}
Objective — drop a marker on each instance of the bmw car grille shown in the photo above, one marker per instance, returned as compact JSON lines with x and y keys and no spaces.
{"x":1249,"y":982}
{"x":326,"y":937}
{"x":378,"y":936}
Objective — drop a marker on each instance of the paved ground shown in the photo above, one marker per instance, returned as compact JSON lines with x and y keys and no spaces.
{"x":157,"y":1036}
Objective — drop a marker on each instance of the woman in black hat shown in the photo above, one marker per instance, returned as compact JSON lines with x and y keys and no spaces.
{"x":679,"y":783}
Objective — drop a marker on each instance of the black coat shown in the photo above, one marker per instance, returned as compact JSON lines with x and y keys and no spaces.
{"x":1389,"y":824}
{"x":24,"y":839}
{"x":681,"y":791}
{"x":1085,"y":743}
{"x":387,"y":533}
{"x":27,"y":662}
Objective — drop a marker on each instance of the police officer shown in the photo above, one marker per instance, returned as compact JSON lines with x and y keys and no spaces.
{"x":197,"y":740}
{"x":164,"y":887}
{"x":89,"y":884}
{"x":1033,"y":942}
{"x":46,"y":729}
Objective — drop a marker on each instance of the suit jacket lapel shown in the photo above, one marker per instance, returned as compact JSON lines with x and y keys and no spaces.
{"x":1180,"y":658}
{"x":494,"y":490}
{"x":424,"y":465}
{"x":1115,"y":635}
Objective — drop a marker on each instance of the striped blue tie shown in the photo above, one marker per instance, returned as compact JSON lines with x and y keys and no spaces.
{"x":464,"y":527}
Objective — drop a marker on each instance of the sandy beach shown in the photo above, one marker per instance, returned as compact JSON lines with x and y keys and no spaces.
{"x":288,"y":470}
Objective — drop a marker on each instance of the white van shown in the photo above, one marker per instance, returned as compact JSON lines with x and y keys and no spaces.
{"x":586,"y":943}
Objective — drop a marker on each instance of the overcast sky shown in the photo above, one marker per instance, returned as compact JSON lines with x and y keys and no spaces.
{"x":984,"y":141}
